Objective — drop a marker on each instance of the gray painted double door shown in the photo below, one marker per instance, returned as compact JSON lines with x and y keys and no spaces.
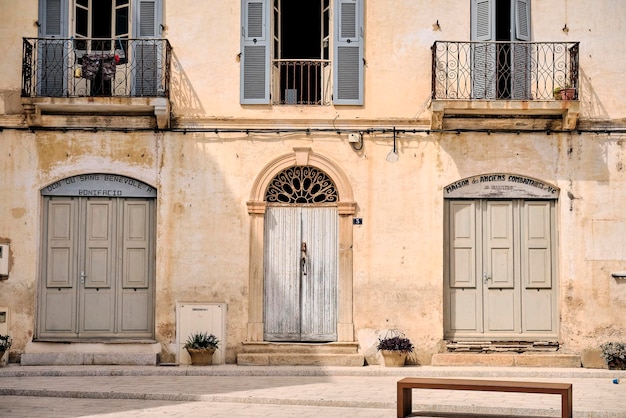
{"x":500,"y":270}
{"x":97,"y":268}
{"x":300,"y":277}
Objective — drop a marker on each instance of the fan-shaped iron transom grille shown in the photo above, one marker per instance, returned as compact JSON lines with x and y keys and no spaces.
{"x":301,"y":184}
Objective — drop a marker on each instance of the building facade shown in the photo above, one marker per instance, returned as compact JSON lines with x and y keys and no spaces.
{"x":300,"y":180}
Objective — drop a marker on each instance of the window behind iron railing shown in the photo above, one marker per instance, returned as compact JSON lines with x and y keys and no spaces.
{"x":504,"y":70}
{"x":82,"y":67}
{"x":301,"y":82}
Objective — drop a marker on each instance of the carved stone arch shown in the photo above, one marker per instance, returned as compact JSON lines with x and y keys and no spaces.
{"x":256,"y":209}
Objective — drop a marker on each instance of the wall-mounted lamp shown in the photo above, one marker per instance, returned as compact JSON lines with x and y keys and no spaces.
{"x":437,"y":26}
{"x":392,"y":157}
{"x":565,"y":29}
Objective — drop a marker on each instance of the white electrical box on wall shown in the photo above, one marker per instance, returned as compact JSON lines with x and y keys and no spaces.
{"x":201,"y":317}
{"x":4,"y":259}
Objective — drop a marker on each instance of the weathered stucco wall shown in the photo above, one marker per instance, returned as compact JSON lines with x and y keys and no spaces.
{"x":204,"y":179}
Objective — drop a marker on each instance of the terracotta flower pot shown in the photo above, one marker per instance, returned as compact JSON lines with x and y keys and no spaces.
{"x":201,"y":356}
{"x":394,"y":358}
{"x":568,"y":93}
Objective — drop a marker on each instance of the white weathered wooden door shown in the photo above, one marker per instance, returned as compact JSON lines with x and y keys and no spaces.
{"x":499,"y":281}
{"x":300,"y":277}
{"x":98,"y":273}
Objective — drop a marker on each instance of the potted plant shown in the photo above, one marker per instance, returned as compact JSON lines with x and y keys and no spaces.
{"x":201,"y":346}
{"x":5,"y":344}
{"x":614,"y":353}
{"x":394,"y":349}
{"x":564,"y":93}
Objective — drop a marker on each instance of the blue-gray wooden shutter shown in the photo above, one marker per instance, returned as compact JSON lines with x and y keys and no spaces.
{"x":521,"y":52}
{"x":483,"y":50}
{"x":52,"y":58}
{"x":348,"y":53}
{"x":255,"y":52}
{"x":147,"y":58}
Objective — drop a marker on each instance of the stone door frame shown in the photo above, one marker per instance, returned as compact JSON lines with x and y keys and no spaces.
{"x":301,"y":156}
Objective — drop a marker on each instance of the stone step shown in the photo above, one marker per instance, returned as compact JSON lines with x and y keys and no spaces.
{"x":304,"y":348}
{"x":507,"y":359}
{"x":299,"y":359}
{"x":75,"y":359}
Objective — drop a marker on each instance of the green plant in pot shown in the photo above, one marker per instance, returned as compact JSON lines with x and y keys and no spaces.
{"x":566,"y":92}
{"x":395,"y":349}
{"x":614,"y":353}
{"x":201,"y":346}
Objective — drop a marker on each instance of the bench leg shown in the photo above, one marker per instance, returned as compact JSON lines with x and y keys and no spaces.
{"x":566,"y":404}
{"x":405,"y":402}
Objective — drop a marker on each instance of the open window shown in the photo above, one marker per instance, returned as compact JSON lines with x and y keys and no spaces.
{"x":501,"y":54}
{"x":287,"y":55}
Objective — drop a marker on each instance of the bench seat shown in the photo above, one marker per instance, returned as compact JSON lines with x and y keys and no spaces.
{"x":406,"y":386}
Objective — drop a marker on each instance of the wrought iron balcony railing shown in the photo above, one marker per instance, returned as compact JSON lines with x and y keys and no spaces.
{"x":504,"y":70}
{"x":81,"y":67}
{"x":301,"y":82}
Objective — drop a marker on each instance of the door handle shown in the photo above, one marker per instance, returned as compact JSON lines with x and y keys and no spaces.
{"x":82,"y":277}
{"x":486,"y":277}
{"x":303,"y":259}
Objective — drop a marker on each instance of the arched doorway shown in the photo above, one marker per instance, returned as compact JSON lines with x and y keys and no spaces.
{"x":301,"y":198}
{"x":97,"y":259}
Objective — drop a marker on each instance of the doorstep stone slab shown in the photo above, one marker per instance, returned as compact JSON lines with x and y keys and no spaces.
{"x":506,"y":360}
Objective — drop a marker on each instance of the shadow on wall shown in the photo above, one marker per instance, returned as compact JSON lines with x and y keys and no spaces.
{"x":590,"y":105}
{"x":182,"y":94}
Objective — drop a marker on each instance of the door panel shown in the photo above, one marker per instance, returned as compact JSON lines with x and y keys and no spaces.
{"x":60,"y":243}
{"x":59,"y":311}
{"x":282,"y":274}
{"x":100,"y":227}
{"x":300,"y":274}
{"x":136,"y":244}
{"x":500,"y":312}
{"x":499,"y":242}
{"x":463,"y":244}
{"x":464,"y":315}
{"x":319,"y":284}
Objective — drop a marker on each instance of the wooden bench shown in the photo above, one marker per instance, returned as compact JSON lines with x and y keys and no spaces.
{"x":406,"y":386}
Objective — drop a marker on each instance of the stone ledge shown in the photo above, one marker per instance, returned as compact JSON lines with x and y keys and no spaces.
{"x":506,"y":360}
{"x":75,"y":359}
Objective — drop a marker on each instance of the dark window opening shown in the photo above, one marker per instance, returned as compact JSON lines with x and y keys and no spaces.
{"x":300,"y":43}
{"x":504,"y":32}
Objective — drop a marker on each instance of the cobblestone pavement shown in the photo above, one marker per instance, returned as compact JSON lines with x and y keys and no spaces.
{"x":242,"y":391}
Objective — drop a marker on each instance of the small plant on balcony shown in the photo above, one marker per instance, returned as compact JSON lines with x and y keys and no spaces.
{"x":566,"y":92}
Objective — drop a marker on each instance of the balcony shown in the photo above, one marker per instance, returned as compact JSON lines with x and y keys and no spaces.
{"x":515,"y":82}
{"x":301,"y":82}
{"x":103,"y":76}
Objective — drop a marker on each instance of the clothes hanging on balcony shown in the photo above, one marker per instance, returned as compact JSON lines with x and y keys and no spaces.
{"x":94,"y":63}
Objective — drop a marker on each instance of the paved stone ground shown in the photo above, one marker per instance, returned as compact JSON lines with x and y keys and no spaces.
{"x":242,"y":391}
